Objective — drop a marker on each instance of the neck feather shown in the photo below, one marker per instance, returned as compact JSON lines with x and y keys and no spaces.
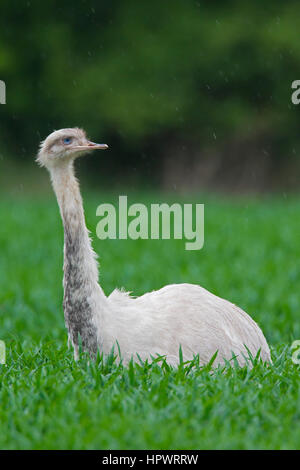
{"x":83,"y":296}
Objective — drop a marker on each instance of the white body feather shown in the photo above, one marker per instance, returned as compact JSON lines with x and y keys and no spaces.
{"x":177,"y":315}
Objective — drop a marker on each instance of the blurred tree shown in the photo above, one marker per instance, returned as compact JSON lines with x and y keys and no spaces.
{"x":151,"y":76}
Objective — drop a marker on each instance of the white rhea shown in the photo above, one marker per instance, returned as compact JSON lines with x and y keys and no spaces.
{"x":160,"y":322}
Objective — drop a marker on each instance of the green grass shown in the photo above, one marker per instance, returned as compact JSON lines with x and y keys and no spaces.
{"x":47,"y":401}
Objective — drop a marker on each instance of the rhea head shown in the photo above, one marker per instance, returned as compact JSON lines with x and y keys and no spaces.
{"x":63,"y":146}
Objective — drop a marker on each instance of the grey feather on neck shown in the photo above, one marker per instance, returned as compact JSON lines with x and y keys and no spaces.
{"x":80,"y":265}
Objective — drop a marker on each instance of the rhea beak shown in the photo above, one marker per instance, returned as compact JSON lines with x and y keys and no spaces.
{"x":91,"y":146}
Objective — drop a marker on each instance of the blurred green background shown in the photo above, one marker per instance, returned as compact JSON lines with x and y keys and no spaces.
{"x":188,"y":94}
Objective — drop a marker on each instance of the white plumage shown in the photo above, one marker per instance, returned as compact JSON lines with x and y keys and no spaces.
{"x":159,"y":322}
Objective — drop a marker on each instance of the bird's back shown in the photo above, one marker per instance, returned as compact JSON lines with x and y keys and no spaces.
{"x":183,"y":315}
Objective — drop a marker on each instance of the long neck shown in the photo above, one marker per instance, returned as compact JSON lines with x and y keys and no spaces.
{"x":83,"y":297}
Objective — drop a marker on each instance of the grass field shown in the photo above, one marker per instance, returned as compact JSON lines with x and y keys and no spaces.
{"x":47,"y":401}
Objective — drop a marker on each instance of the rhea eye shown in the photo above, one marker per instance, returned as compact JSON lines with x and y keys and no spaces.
{"x":67,"y":140}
